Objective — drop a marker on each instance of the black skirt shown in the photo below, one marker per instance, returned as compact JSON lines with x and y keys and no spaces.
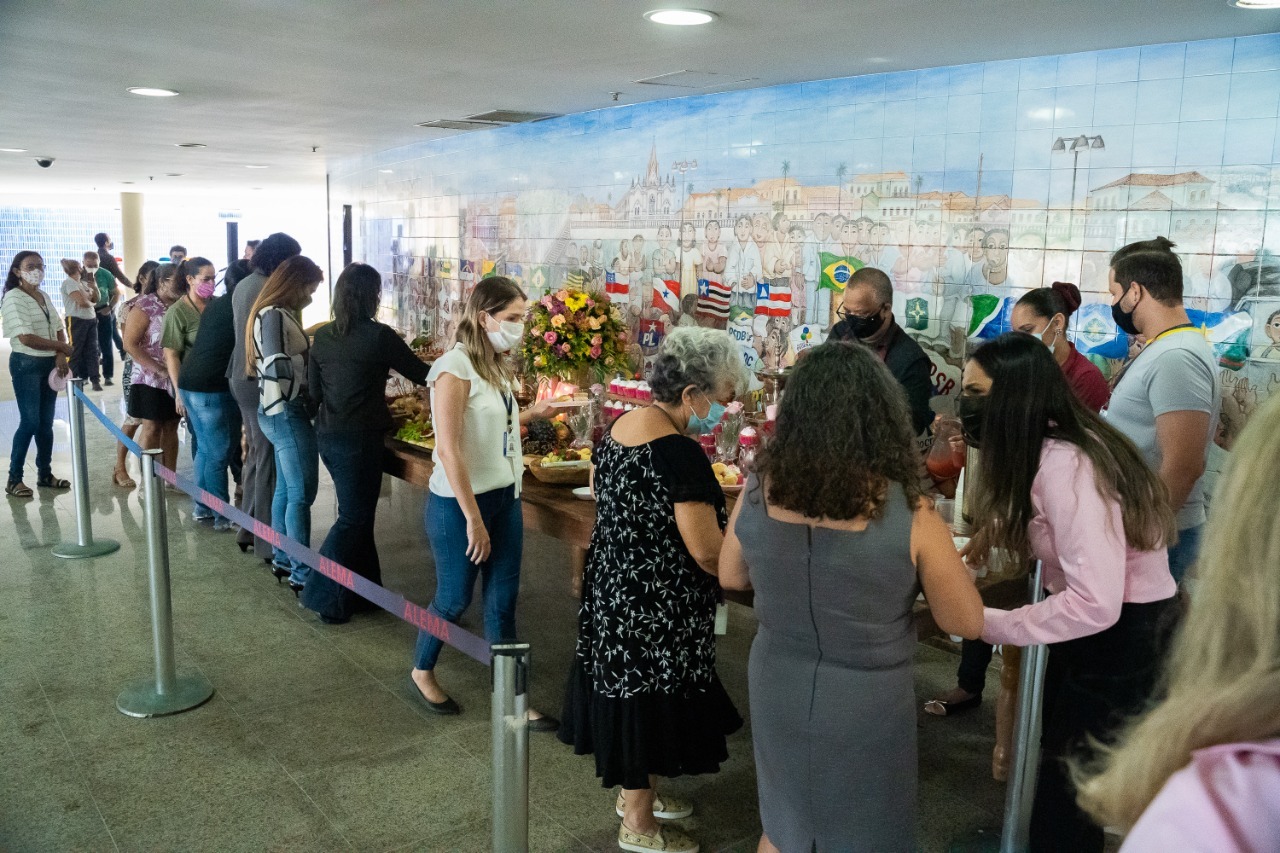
{"x":151,"y":404}
{"x":656,"y":733}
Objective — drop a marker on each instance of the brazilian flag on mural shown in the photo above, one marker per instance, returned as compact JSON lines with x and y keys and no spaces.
{"x":836,"y":270}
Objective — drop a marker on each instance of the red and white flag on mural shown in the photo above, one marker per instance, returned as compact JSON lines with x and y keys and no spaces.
{"x":615,"y":286}
{"x":666,"y":295}
{"x":713,"y":299}
{"x":772,"y":298}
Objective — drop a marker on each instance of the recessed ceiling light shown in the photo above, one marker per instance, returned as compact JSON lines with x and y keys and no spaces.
{"x":680,"y":17}
{"x":126,"y":182}
{"x":191,"y":145}
{"x":385,"y":171}
{"x":1255,"y":4}
{"x":255,"y":166}
{"x":13,"y":150}
{"x":150,"y":92}
{"x":173,"y":174}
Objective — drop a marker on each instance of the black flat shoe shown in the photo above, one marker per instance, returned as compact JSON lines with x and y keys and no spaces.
{"x":940,"y":708}
{"x":544,"y":724}
{"x":447,"y":708}
{"x":244,"y":547}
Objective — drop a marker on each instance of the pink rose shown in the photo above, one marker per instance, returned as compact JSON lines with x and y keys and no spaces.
{"x":549,"y":337}
{"x":596,"y":340}
{"x":546,"y":301}
{"x":595,"y":352}
{"x":564,"y":349}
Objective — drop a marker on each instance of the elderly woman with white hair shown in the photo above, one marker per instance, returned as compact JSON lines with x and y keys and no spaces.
{"x":643,"y":693}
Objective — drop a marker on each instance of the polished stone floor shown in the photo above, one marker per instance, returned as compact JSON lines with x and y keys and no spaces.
{"x":311,"y":741}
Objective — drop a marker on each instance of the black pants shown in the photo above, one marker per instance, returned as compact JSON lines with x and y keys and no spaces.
{"x":975,"y":657}
{"x":1090,"y":686}
{"x":84,"y":349}
{"x":354,"y":460}
{"x":106,"y":334}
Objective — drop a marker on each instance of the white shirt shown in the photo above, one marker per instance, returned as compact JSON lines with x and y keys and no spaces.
{"x":490,"y":413}
{"x":24,"y":316}
{"x":70,"y":286}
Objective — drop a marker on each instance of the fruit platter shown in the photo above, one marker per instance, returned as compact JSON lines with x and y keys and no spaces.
{"x":730,"y":477}
{"x":411,"y":416}
{"x":569,"y":467}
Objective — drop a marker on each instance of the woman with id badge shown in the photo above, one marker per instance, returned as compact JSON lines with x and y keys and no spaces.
{"x":473,"y":514}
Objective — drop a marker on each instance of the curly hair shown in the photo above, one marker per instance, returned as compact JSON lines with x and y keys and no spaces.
{"x":843,"y":436}
{"x":703,"y":358}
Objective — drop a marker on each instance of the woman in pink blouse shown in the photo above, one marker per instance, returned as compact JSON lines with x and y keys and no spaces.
{"x":1056,"y":483}
{"x":1201,"y":770}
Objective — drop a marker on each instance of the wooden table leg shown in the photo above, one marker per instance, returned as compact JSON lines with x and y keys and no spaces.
{"x":577,"y":565}
{"x":1006,"y":711}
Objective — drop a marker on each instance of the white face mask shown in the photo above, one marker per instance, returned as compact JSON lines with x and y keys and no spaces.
{"x":1045,"y":331}
{"x":32,"y":277}
{"x":507,"y":336}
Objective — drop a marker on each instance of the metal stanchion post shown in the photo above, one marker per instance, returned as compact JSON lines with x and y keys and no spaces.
{"x":84,"y":546}
{"x":510,"y":748}
{"x":1015,"y":835}
{"x":170,"y":692}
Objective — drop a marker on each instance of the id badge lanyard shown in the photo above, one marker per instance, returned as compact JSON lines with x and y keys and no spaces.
{"x":510,"y":439}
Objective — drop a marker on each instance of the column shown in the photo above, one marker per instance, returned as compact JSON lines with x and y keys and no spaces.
{"x":133,"y":237}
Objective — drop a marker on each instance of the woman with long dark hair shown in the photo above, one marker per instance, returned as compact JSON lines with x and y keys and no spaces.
{"x":836,"y":538}
{"x":151,"y":394}
{"x":277,"y":355}
{"x":347,"y":379}
{"x":39,"y":346}
{"x":1056,"y":483}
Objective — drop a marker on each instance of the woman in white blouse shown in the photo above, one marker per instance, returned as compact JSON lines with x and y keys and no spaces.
{"x":473,"y":513}
{"x":39,"y":346}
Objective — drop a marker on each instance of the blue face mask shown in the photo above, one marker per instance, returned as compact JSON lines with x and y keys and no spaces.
{"x":703,"y":425}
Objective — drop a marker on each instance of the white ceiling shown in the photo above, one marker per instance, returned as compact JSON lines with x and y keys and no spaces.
{"x":263,"y":81}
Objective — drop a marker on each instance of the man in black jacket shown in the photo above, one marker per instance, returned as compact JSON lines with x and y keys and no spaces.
{"x":866,"y":316}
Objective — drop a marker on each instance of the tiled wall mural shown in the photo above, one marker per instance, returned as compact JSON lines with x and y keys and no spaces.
{"x":968,"y":185}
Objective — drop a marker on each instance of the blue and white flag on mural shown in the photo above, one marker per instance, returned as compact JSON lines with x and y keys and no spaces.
{"x":1096,"y":333}
{"x":991,"y":316}
{"x":1227,"y":332}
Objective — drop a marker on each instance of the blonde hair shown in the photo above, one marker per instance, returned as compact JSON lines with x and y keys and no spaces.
{"x":1223,"y":676}
{"x":491,"y":296}
{"x":284,"y":288}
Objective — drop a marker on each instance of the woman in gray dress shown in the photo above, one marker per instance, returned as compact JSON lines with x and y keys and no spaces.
{"x":840,"y":539}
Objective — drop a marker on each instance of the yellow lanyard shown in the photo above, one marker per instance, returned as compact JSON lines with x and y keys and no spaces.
{"x":1183,"y":328}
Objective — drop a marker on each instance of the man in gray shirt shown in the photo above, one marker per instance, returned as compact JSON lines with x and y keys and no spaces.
{"x":1167,"y":398}
{"x":258,"y":477}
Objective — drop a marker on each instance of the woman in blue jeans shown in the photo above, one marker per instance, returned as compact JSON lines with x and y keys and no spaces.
{"x":347,"y":380}
{"x":473,"y":513}
{"x":278,"y":357}
{"x":39,"y":346}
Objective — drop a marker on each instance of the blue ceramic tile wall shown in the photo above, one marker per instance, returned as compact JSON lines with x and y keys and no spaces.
{"x":951,"y":176}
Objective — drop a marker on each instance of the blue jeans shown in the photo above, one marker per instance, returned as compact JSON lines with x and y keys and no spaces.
{"x":456,"y":574}
{"x":1183,"y":555}
{"x":354,"y":460}
{"x":211,"y":414}
{"x":30,"y":374}
{"x":297,"y":476}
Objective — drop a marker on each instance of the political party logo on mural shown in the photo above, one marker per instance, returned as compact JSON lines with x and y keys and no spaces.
{"x":664,"y":295}
{"x":617,"y":287}
{"x":713,"y":299}
{"x":1096,"y":333}
{"x":917,"y":314}
{"x":805,"y":337}
{"x":773,"y":298}
{"x":651,"y":334}
{"x":836,"y":270}
{"x":990,"y":317}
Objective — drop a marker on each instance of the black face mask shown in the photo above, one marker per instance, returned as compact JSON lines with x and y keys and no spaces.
{"x":1123,"y":318}
{"x":863,"y":327}
{"x":972,"y":411}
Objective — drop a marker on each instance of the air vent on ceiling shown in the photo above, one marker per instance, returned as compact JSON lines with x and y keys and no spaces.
{"x":685,"y":79}
{"x":456,"y":124}
{"x":511,"y":116}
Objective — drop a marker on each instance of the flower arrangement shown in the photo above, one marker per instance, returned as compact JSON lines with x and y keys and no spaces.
{"x":571,"y":332}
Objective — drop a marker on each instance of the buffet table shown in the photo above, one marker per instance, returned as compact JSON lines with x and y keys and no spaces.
{"x":554,"y":511}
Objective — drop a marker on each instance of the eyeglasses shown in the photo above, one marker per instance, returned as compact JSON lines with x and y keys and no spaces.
{"x":850,"y":316}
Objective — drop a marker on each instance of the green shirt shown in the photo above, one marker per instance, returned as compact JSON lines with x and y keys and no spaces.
{"x":181,"y":322}
{"x":106,"y":286}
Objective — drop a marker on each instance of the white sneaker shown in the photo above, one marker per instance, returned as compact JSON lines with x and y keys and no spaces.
{"x":667,"y":839}
{"x":664,"y":806}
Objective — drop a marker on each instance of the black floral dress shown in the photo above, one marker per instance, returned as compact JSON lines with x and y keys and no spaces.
{"x":643,"y":693}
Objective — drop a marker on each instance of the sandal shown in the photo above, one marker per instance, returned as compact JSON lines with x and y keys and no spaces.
{"x":52,"y":482}
{"x":123,"y":480}
{"x":943,"y":708}
{"x":18,"y":489}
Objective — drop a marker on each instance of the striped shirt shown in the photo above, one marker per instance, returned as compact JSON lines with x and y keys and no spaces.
{"x":24,"y":316}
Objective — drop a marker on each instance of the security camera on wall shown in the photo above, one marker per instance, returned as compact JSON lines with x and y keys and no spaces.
{"x":44,"y":162}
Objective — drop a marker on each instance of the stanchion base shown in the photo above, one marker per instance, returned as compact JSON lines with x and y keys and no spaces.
{"x":142,"y":700}
{"x":96,"y":548}
{"x":984,"y":840}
